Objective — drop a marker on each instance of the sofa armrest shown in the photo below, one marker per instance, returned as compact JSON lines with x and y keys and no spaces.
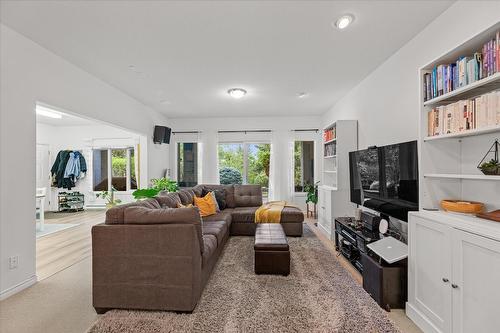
{"x":154,"y":267}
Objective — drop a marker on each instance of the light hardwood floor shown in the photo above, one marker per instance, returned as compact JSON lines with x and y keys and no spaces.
{"x":63,"y":249}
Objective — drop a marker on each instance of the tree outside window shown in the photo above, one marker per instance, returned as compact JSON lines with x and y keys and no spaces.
{"x":245,"y":163}
{"x":303,"y":164}
{"x":122,"y":169}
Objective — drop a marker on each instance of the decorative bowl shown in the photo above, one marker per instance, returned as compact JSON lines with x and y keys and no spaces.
{"x":462,"y":206}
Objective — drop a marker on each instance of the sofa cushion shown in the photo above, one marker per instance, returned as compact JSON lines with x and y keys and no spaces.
{"x":207,"y":204}
{"x":198,"y":190}
{"x":186,"y":195}
{"x":247,"y":214}
{"x":244,"y":214}
{"x":209,"y":247}
{"x":247,"y":195}
{"x":114,"y":215}
{"x":217,"y":228}
{"x":144,"y":215}
{"x":228,"y":189}
{"x":224,"y":215}
{"x":292,"y":215}
{"x":220,"y":196}
{"x":168,"y":200}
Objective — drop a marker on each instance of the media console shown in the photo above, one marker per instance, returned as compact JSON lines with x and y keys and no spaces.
{"x":386,"y":283}
{"x":351,"y":238}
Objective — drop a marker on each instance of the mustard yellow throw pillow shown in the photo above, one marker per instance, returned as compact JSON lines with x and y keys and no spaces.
{"x":207,"y":205}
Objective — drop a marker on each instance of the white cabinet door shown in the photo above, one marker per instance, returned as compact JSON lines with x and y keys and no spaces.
{"x":328,"y":208}
{"x":321,"y":205}
{"x":325,"y":210}
{"x":429,"y":267}
{"x":476,"y":278}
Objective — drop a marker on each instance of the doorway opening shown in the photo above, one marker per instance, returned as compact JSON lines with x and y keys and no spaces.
{"x":81,"y":166}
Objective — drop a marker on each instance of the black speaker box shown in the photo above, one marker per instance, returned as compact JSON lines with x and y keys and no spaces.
{"x":162,"y":134}
{"x":370,"y":221}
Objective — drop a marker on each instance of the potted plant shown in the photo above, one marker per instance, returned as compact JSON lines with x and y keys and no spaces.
{"x":491,"y":167}
{"x":109,"y":196}
{"x":312,"y":197}
{"x":158,"y":185}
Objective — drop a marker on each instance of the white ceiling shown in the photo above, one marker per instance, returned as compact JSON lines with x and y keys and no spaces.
{"x":189,"y":53}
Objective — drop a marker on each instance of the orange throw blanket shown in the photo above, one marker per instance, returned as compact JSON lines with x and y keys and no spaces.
{"x":270,"y":212}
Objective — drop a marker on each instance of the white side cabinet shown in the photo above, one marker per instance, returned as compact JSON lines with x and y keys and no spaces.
{"x":325,"y":209}
{"x":453,"y":274}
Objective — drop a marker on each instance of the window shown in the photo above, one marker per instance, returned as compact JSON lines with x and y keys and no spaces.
{"x":117,"y":164}
{"x":187,"y":164}
{"x":245,"y":163}
{"x":304,"y":164}
{"x":100,"y":169}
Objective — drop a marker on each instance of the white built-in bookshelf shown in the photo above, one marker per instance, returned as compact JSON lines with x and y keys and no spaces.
{"x":448,"y":162}
{"x":334,"y":187}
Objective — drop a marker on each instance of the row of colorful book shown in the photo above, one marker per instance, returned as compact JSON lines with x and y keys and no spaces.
{"x":329,"y":134}
{"x":476,"y":113}
{"x":466,"y":70}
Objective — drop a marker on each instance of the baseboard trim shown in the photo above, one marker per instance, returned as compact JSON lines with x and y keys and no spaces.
{"x":18,"y":287}
{"x":324,"y":231}
{"x":419,"y":319}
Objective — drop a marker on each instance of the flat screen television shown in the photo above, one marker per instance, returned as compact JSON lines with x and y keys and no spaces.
{"x":385,"y":179}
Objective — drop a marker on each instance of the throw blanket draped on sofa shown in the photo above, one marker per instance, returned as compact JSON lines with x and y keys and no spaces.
{"x":270,"y":212}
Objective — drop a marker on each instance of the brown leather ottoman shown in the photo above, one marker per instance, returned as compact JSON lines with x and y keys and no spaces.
{"x":272,"y":254}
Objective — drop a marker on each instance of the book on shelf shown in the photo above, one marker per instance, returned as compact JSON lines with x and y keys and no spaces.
{"x":445,"y":78}
{"x":330,"y":149}
{"x":329,"y":134}
{"x":476,"y":113}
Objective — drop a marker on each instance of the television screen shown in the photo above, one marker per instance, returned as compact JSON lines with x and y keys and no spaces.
{"x":385,"y":179}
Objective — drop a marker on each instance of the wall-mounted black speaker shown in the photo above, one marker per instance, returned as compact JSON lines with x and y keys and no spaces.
{"x":162,"y":134}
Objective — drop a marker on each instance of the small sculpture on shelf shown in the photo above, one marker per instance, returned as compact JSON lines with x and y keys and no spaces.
{"x":491,"y":166}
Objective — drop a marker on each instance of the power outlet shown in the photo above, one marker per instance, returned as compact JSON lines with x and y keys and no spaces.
{"x":13,"y":262}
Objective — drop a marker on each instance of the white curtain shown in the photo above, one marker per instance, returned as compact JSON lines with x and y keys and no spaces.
{"x":281,"y":166}
{"x":209,"y":157}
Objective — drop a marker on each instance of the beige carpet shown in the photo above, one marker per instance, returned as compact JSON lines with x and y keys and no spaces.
{"x":318,"y":296}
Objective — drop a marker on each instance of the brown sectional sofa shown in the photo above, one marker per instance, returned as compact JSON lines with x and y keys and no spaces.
{"x":151,"y":255}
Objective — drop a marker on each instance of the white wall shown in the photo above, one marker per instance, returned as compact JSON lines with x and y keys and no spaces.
{"x":30,"y":74}
{"x":386,"y":103}
{"x":209,"y":128}
{"x":85,"y":138}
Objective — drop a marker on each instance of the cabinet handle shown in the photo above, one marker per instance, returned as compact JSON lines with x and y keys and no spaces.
{"x":445,"y":280}
{"x":454,"y":286}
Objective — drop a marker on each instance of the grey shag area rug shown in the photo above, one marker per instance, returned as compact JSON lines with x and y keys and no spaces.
{"x":319,"y":295}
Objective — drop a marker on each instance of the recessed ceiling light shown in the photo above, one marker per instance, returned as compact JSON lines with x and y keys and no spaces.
{"x":344,"y":21}
{"x":165,"y":102}
{"x":237,"y":92}
{"x":131,"y":67}
{"x":301,"y":94}
{"x":46,"y":112}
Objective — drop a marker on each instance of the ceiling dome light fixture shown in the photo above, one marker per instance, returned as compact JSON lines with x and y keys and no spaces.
{"x":344,"y":21}
{"x":237,"y":92}
{"x":302,"y":94}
